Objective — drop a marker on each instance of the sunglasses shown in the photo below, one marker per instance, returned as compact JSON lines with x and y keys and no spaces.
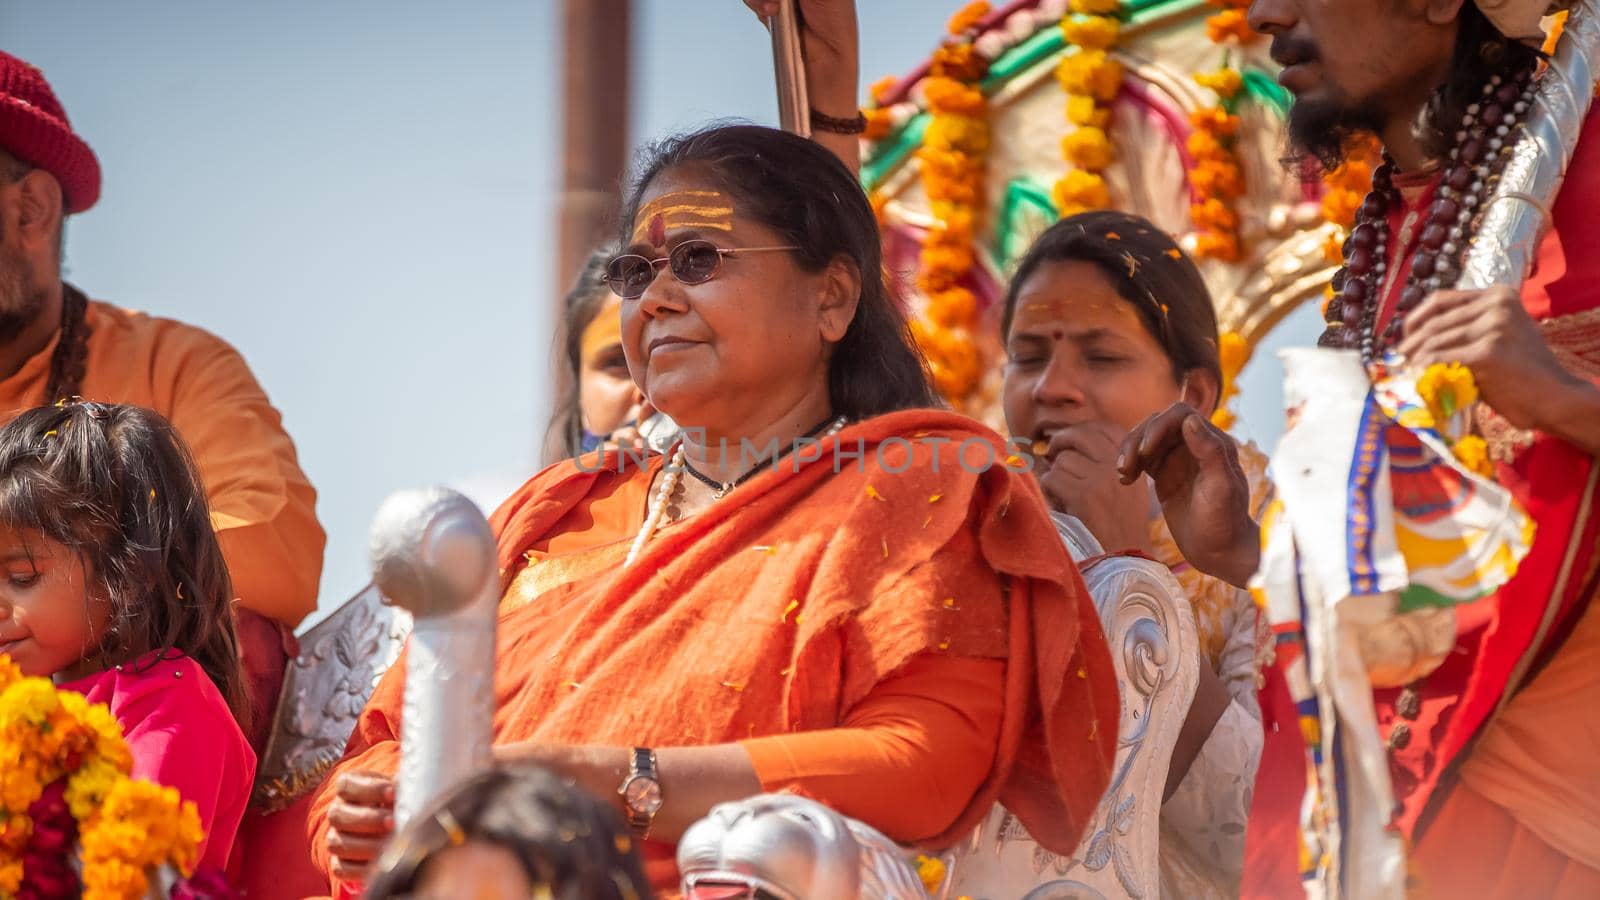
{"x":692,"y":262}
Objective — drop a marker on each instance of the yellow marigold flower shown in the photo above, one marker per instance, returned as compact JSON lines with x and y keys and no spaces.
{"x":1446,"y":388}
{"x":1091,"y":32}
{"x":1232,"y":353}
{"x":9,"y":672}
{"x":1473,"y":454}
{"x":1079,"y":190}
{"x":1096,"y":7}
{"x":947,"y":95}
{"x":1085,"y":113}
{"x":1091,"y":72}
{"x":1226,"y":82}
{"x":931,"y":870}
{"x":1088,"y":148}
{"x":967,"y":17}
{"x":962,"y":134}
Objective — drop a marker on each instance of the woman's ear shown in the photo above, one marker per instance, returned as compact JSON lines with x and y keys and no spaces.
{"x":841,"y":295}
{"x":1201,"y":390}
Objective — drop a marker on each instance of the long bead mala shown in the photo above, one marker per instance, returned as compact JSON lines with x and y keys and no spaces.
{"x":1483,"y":144}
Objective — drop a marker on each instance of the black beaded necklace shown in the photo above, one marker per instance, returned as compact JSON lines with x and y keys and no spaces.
{"x":722,"y":488}
{"x":1483,"y":144}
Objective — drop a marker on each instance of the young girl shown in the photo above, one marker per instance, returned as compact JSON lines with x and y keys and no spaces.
{"x":1107,"y":322}
{"x":115,"y":587}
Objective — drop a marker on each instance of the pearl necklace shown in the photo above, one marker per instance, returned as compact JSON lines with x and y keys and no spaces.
{"x":672,"y":476}
{"x":1483,"y":144}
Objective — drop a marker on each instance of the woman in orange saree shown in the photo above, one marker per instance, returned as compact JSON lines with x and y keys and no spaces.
{"x":882,"y":619}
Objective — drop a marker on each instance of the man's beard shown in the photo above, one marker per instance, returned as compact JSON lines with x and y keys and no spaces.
{"x":1321,"y":130}
{"x":19,"y":303}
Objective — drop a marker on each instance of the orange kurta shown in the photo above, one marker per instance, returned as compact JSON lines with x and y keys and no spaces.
{"x":261,"y":503}
{"x":806,"y":602}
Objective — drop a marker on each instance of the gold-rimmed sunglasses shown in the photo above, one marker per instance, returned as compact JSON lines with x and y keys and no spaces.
{"x":691,"y":262}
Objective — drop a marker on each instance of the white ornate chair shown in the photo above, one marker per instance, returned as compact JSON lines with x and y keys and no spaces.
{"x":1153,"y":645}
{"x":324,"y":690}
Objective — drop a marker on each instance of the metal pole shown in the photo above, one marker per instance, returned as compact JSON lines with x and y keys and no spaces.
{"x":794,"y":108}
{"x":595,"y":109}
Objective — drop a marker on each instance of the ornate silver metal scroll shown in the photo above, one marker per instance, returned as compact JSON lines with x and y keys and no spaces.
{"x":432,"y":553}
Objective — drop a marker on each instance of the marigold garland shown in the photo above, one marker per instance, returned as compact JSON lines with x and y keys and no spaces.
{"x":1091,"y":79}
{"x":1219,"y":181}
{"x":1232,"y":354}
{"x":1230,"y":24}
{"x":1448,"y":389}
{"x":125,"y":827}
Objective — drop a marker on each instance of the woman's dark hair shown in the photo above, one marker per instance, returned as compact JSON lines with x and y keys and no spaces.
{"x":806,"y":195}
{"x":565,"y":839}
{"x":564,"y":437}
{"x":116,"y":485}
{"x":1148,"y":269}
{"x":1480,"y":53}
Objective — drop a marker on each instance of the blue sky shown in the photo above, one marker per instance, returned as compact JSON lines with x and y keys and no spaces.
{"x":359,"y":195}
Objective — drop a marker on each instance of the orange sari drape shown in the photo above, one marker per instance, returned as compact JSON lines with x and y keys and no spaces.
{"x":780,"y":608}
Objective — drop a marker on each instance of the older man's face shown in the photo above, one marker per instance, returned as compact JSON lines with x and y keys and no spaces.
{"x":1354,"y":64}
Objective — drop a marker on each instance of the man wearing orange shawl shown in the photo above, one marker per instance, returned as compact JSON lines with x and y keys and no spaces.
{"x":1490,"y":754}
{"x":793,"y":621}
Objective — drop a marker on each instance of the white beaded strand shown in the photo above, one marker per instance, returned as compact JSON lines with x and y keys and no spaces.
{"x":671,"y":474}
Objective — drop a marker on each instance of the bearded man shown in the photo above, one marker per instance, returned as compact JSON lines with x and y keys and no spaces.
{"x":1492,"y":755}
{"x":56,"y":343}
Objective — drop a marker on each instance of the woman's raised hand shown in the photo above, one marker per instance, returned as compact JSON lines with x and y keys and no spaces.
{"x":831,"y":43}
{"x":360,"y":821}
{"x":1079,"y":477}
{"x":1204,"y":494}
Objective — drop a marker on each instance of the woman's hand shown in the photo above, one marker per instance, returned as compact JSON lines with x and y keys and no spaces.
{"x":1081,"y":479}
{"x":1203,"y":490}
{"x":360,"y":821}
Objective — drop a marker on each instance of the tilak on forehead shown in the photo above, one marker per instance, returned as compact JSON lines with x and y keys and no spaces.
{"x":682,"y":209}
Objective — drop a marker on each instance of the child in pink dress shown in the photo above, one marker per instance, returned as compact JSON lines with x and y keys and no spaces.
{"x":114,"y":586}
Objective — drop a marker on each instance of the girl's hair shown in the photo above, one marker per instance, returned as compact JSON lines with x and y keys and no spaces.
{"x":805,"y":194}
{"x":564,"y":437}
{"x":565,"y":839}
{"x":1148,"y":269}
{"x":116,"y":485}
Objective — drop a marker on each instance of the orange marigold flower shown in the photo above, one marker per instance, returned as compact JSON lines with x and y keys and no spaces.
{"x":1221,"y":246}
{"x":879,"y":124}
{"x":952,"y":307}
{"x":1078,"y":191}
{"x":1084,"y":112}
{"x":1212,"y":214}
{"x":880,"y":89}
{"x":1218,"y":178}
{"x":1091,"y":72}
{"x":1204,"y":145}
{"x":1339,"y":206}
{"x":1216,"y":120}
{"x":967,"y":17}
{"x":1096,"y":7}
{"x":1229,"y":25}
{"x":1091,"y":32}
{"x":1088,"y":148}
{"x":959,"y":61}
{"x":946,"y":95}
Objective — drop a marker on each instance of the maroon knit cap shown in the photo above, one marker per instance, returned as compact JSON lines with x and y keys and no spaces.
{"x":34,"y":129}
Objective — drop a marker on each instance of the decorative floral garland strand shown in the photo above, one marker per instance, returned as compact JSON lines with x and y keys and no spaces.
{"x":953,"y":152}
{"x":1091,"y":79}
{"x":125,"y":827}
{"x":1449,"y":389}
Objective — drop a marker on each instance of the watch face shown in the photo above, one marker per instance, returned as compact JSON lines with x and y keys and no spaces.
{"x":642,"y":795}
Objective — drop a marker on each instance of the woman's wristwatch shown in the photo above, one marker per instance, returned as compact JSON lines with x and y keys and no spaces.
{"x":641,"y":791}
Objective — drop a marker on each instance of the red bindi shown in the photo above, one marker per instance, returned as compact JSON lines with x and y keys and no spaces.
{"x":658,"y":230}
{"x":1058,"y":334}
